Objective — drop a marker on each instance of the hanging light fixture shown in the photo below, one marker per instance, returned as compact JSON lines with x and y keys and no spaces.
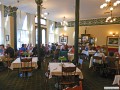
{"x":110,"y":18}
{"x":109,"y":4}
{"x":64,"y":23}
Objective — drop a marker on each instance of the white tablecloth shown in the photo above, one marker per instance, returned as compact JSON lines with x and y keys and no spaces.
{"x":17,"y":63}
{"x":70,"y":56}
{"x":56,"y":69}
{"x":89,"y":52}
{"x":116,"y":79}
{"x":93,"y":60}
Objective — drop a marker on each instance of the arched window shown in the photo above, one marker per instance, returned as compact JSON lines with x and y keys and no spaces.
{"x":43,"y":36}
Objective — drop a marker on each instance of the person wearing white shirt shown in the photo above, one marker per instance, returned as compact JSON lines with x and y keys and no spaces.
{"x":100,"y":54}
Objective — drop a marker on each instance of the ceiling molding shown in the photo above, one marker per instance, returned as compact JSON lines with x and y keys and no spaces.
{"x":90,"y":22}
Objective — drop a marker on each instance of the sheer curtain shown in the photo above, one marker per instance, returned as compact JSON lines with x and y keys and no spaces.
{"x":23,"y":34}
{"x":51,"y":34}
{"x":0,"y":28}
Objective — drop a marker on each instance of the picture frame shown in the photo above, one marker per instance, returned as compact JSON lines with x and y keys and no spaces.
{"x":7,"y":37}
{"x":112,"y":41}
{"x":63,"y":39}
{"x":85,"y":38}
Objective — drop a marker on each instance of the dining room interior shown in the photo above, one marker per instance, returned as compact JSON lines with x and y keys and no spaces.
{"x":59,"y":45}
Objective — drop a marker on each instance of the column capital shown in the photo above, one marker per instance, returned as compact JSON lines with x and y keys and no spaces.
{"x":9,"y":10}
{"x":39,"y":2}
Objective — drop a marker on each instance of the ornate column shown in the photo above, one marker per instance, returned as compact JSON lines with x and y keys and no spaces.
{"x":76,"y":31}
{"x":15,"y":27}
{"x":39,"y":2}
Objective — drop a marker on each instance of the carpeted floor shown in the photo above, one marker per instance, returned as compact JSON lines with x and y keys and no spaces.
{"x":11,"y":81}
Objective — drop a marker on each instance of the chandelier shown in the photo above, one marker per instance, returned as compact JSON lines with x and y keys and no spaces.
{"x":64,"y":22}
{"x":110,"y":18}
{"x":109,"y":4}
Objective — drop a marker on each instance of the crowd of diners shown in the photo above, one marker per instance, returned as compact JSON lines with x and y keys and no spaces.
{"x":45,"y":50}
{"x":7,"y":51}
{"x":107,"y":59}
{"x":53,"y":48}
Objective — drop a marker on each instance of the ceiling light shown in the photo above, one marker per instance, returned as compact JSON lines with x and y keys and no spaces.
{"x":110,"y":18}
{"x":109,"y":4}
{"x":65,"y":28}
{"x":64,"y":22}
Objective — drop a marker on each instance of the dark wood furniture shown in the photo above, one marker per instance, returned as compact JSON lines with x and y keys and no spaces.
{"x":68,"y":76}
{"x":26,"y":66}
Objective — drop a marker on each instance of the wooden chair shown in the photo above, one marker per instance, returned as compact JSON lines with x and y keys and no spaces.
{"x":75,"y":87}
{"x":47,"y":73}
{"x":8,"y":60}
{"x":68,"y":76}
{"x":113,"y":64}
{"x":98,"y":62}
{"x":26,"y":66}
{"x":68,"y":88}
{"x":78,"y":87}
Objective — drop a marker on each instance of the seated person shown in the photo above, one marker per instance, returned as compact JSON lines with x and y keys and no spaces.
{"x":30,"y":51}
{"x":1,"y":49}
{"x":34,"y":51}
{"x":116,"y":54}
{"x":63,"y":55}
{"x":9,"y":51}
{"x":23,"y":48}
{"x":111,"y":54}
{"x":56,"y":54}
{"x":72,"y":50}
{"x":100,"y":54}
{"x":62,"y":48}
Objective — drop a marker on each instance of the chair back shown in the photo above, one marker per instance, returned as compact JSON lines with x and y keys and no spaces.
{"x":97,"y":57}
{"x":75,"y":87}
{"x":68,"y":71}
{"x":78,"y":87}
{"x":112,"y":61}
{"x":26,"y":62}
{"x":8,"y":60}
{"x":68,"y":88}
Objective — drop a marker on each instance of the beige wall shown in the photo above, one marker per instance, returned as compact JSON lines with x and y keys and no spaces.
{"x":2,"y":41}
{"x":100,"y":32}
{"x":69,"y":32}
{"x":11,"y":31}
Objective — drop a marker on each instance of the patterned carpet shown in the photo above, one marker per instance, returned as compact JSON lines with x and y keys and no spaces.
{"x":11,"y":81}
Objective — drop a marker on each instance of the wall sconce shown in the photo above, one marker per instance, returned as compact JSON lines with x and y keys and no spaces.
{"x":62,"y":35}
{"x":114,"y":34}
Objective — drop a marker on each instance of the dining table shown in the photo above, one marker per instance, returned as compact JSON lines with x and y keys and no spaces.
{"x":16,"y":64}
{"x":56,"y":69}
{"x":116,"y":80}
